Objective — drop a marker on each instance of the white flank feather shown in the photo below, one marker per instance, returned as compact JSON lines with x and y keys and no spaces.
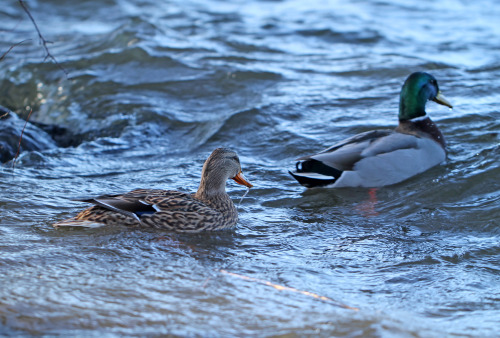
{"x":78,"y":223}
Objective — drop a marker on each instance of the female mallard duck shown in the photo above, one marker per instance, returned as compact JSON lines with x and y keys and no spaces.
{"x":383,"y":157}
{"x":210,"y":208}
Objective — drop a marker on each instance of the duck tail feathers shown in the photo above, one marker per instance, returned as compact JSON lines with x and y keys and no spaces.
{"x":313,"y":173}
{"x":312,"y":182}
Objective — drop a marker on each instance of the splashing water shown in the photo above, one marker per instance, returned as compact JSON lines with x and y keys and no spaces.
{"x":242,"y":197}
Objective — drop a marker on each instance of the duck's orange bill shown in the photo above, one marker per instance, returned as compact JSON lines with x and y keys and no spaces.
{"x":240,"y":179}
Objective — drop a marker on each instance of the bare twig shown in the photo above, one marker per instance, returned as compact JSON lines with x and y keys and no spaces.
{"x":12,"y":47}
{"x":287,"y":288}
{"x":42,"y":39}
{"x":20,"y":139}
{"x":1,"y":117}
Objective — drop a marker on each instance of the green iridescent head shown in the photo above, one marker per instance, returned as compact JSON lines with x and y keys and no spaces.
{"x":418,"y":88}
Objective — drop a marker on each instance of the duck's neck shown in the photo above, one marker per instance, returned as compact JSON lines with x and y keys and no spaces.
{"x":423,"y":127}
{"x":211,"y":187}
{"x":214,"y":195}
{"x":411,"y":106}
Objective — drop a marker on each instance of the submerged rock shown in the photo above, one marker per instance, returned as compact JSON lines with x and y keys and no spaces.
{"x":11,"y":126}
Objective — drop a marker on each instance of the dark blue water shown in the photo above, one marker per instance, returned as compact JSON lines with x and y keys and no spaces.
{"x":153,"y":87}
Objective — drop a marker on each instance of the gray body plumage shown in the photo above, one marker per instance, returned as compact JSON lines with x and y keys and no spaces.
{"x":380,"y":158}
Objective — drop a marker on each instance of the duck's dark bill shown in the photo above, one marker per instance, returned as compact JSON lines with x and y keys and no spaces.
{"x":240,"y":179}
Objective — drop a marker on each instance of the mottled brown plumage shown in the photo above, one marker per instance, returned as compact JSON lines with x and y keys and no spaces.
{"x":210,"y":208}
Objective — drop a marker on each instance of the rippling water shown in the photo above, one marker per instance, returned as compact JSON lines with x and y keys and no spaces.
{"x":155,"y":86}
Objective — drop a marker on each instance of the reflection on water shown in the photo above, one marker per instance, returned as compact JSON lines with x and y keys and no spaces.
{"x":367,"y":208}
{"x":154,"y":87}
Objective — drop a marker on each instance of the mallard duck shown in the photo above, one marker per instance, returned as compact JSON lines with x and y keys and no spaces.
{"x":210,"y":208}
{"x":383,"y":157}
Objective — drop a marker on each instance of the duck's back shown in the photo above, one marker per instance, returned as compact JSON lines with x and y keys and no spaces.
{"x":392,"y":159}
{"x":162,"y":209}
{"x":188,"y":213}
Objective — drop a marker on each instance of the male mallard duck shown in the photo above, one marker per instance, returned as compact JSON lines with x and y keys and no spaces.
{"x":383,"y":157}
{"x":210,"y":208}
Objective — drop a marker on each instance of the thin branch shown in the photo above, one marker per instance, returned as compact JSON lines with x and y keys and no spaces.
{"x":287,"y":288}
{"x":20,"y":139}
{"x":42,"y":39}
{"x":11,"y":48}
